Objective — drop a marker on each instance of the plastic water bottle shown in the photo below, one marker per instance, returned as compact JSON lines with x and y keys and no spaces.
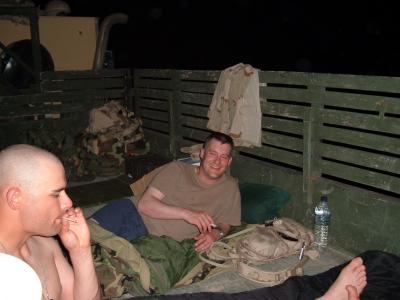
{"x":322,"y":221}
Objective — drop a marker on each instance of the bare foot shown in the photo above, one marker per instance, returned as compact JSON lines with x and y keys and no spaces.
{"x":353,"y":274}
{"x":352,"y":293}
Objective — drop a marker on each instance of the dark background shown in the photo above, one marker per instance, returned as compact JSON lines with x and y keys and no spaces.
{"x":326,"y":36}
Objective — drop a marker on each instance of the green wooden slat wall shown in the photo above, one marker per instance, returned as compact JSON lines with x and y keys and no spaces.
{"x":356,"y":117}
{"x":65,"y":101}
{"x":319,"y":131}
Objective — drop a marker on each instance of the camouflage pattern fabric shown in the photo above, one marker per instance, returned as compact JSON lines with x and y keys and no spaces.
{"x":148,"y":265}
{"x":79,"y":164}
{"x":113,"y":131}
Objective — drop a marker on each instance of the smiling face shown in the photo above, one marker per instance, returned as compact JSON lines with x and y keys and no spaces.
{"x":46,"y":201}
{"x":215,"y":159}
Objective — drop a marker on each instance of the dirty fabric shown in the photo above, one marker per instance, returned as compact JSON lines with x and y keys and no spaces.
{"x":235,"y":107}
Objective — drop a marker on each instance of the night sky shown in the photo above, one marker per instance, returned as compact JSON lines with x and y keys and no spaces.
{"x":328,"y":36}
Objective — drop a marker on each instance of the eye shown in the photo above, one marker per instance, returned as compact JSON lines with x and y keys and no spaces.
{"x":212,"y":153}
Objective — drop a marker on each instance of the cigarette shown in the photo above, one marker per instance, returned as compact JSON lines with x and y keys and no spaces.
{"x":214,"y":225}
{"x":71,"y":220}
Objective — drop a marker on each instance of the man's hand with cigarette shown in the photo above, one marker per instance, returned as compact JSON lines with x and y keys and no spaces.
{"x":75,"y":234}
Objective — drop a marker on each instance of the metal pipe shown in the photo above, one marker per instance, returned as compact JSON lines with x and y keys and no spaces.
{"x":102,"y":38}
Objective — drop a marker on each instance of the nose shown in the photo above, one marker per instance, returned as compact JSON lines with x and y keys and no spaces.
{"x":65,"y":201}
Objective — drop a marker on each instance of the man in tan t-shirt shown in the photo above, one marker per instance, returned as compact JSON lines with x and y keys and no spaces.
{"x":33,"y":208}
{"x":185,"y":201}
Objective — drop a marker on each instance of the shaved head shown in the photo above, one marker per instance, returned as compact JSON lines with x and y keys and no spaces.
{"x":21,"y":165}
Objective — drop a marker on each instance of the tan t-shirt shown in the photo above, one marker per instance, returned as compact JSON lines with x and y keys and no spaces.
{"x":178,"y":182}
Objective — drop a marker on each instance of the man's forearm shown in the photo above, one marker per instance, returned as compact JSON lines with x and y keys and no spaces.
{"x":86,"y":285}
{"x":154,"y":208}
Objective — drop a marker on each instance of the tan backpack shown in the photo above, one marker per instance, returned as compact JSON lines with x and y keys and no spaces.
{"x":258,"y":245}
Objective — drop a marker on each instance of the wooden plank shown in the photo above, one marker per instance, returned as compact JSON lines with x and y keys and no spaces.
{"x":198,"y":87}
{"x":154,"y":114}
{"x":284,"y":125}
{"x":282,"y":77}
{"x":279,"y":155}
{"x":155,"y":125}
{"x":87,"y":95}
{"x":194,"y":122}
{"x":60,"y":75}
{"x":199,"y":75}
{"x":283,"y":141}
{"x":16,"y":125}
{"x":196,"y":134}
{"x":153,"y":73}
{"x":354,"y":82}
{"x":194,"y":110}
{"x":289,"y":94}
{"x":203,"y":99}
{"x":358,"y":82}
{"x":13,"y":126}
{"x":362,"y":102}
{"x":89,"y":195}
{"x":152,"y":94}
{"x":361,"y":139}
{"x":359,"y":120}
{"x":367,"y":159}
{"x":46,"y":109}
{"x":284,"y":110}
{"x":154,"y":84}
{"x":156,"y":104}
{"x":83,"y":84}
{"x":369,"y":178}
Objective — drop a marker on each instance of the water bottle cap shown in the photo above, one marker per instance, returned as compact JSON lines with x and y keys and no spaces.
{"x":324,"y":198}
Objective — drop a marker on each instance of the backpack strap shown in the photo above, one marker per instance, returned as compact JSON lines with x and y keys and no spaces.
{"x":227,"y":257}
{"x":260,"y":276}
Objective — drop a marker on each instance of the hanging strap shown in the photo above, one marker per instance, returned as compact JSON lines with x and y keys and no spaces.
{"x":260,"y":276}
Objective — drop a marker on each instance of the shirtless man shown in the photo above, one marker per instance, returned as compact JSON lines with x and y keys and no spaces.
{"x":33,"y":208}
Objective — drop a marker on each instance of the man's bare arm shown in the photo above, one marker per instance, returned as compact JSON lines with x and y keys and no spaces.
{"x":86,"y":285}
{"x":151,"y":205}
{"x":76,"y":239}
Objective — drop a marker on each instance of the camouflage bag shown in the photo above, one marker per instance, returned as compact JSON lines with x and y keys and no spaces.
{"x":114,"y":132}
{"x":148,"y":265}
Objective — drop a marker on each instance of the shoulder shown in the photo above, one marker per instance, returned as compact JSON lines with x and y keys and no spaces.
{"x":231,"y":182}
{"x":45,"y":244}
{"x":176,"y":166}
{"x":172,"y":172}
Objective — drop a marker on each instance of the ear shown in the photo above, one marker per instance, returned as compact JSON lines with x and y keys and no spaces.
{"x":230,"y":161}
{"x":13,"y":197}
{"x":202,"y":153}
